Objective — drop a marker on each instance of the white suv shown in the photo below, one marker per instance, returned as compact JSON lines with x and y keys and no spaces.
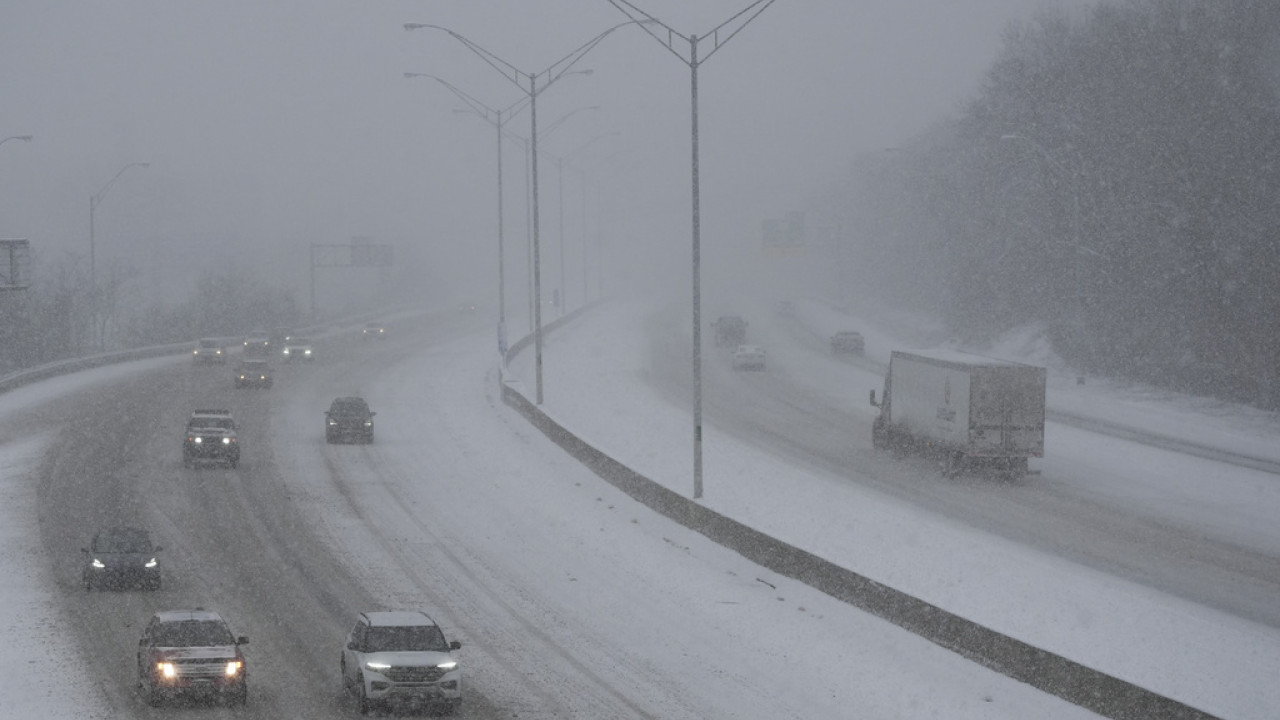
{"x":401,"y":659}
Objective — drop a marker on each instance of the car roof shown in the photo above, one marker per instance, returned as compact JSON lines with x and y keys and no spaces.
{"x":181,"y":615}
{"x":123,"y":531}
{"x":210,"y":411}
{"x":398,"y":618}
{"x":349,"y":400}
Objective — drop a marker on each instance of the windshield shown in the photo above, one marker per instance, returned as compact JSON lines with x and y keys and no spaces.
{"x":405,"y":638}
{"x":192,"y":633}
{"x":123,"y":541}
{"x":212,"y":422}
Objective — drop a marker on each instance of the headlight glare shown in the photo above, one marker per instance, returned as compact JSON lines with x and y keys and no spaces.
{"x":151,"y":563}
{"x":233,"y":668}
{"x":448,"y":665}
{"x":98,"y":563}
{"x":167,"y":669}
{"x":372,"y":665}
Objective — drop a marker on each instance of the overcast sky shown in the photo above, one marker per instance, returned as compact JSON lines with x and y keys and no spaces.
{"x":272,"y":124}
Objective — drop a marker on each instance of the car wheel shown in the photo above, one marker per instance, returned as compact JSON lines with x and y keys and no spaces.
{"x":152,"y":693}
{"x":235,"y":463}
{"x":241,"y":696}
{"x":365,"y":704}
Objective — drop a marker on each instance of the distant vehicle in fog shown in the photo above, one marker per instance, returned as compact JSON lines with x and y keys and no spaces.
{"x":848,"y":342}
{"x":748,"y":357}
{"x":373,"y":331}
{"x":298,"y":348}
{"x":121,"y":557}
{"x":254,"y":372}
{"x":209,"y":350}
{"x":257,"y":346}
{"x":348,"y":419}
{"x":730,"y":330}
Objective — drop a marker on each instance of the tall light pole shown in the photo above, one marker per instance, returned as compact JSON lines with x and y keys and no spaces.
{"x":524,"y":143}
{"x":560,"y":161}
{"x":94,"y":201}
{"x":496,"y":118}
{"x":729,"y":28}
{"x":518,"y":77}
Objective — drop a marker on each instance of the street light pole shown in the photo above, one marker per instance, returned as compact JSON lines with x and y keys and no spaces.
{"x":497,"y":118}
{"x":518,"y":77}
{"x":729,"y":27}
{"x":560,"y":161}
{"x":94,"y":201}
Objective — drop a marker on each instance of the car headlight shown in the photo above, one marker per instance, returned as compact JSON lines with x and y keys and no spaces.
{"x":226,"y":441}
{"x":233,"y":667}
{"x":368,"y":423}
{"x":98,"y":563}
{"x":448,"y":665}
{"x":379,"y":666}
{"x":306,"y":352}
{"x":333,"y":423}
{"x":167,"y":669}
{"x":197,"y":440}
{"x":151,"y":563}
{"x":286,"y":351}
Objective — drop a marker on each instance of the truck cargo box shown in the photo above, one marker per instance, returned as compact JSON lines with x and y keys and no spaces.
{"x":968,"y":410}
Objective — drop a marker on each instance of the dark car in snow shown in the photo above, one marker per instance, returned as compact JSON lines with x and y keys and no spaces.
{"x":194,"y":653}
{"x":210,"y":435}
{"x":348,"y":419}
{"x":121,"y":557}
{"x":254,"y":373}
{"x":373,"y":331}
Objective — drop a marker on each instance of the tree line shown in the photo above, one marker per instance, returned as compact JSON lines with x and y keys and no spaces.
{"x":62,"y":315}
{"x":1116,"y":181}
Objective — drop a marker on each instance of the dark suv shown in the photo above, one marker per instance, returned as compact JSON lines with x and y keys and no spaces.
{"x":349,"y":419}
{"x":210,"y":435}
{"x":191,"y":652}
{"x":121,"y":557}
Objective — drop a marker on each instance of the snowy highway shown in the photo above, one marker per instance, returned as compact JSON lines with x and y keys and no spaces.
{"x":571,"y":600}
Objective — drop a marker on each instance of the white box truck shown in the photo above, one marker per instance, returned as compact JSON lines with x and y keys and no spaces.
{"x":971,"y":412}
